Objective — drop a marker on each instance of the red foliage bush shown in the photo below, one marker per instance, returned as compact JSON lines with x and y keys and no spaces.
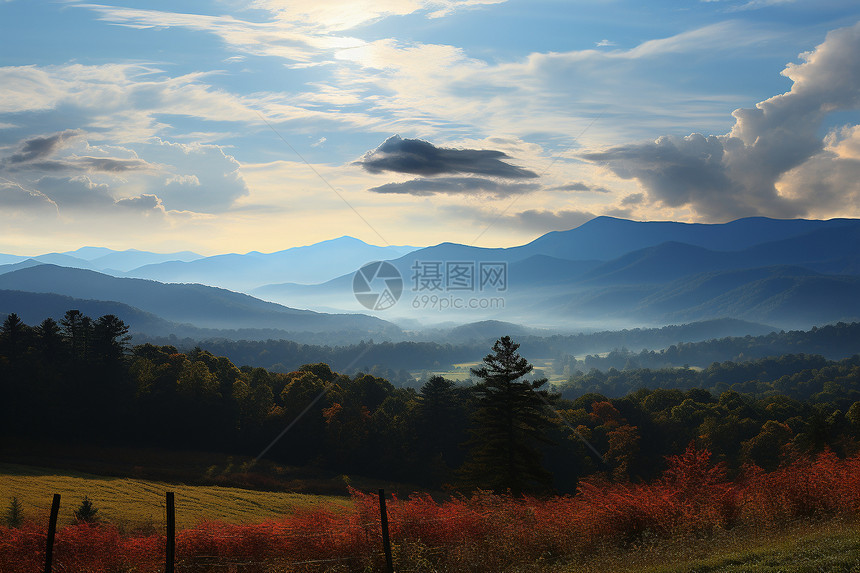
{"x":480,"y":532}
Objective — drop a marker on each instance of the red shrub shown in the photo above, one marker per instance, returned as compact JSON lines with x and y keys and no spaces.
{"x":481,"y":532}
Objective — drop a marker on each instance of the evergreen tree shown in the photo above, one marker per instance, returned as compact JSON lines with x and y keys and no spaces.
{"x":440,"y":421}
{"x":15,"y":513}
{"x":509,"y":424}
{"x":86,"y":512}
{"x":110,"y":338}
{"x":12,"y":335}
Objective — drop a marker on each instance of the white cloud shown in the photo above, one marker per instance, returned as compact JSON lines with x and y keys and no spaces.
{"x":756,"y":167}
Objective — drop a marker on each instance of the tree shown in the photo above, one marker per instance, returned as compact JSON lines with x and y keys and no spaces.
{"x":73,"y":331}
{"x":110,"y":338}
{"x":86,"y":512}
{"x":14,"y":340}
{"x":508,"y":425}
{"x":15,"y":513}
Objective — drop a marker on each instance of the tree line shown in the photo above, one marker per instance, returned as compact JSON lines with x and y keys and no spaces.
{"x":394,"y":360}
{"x":79,"y":379}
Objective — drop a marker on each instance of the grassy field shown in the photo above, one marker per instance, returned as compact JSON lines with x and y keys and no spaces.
{"x":806,"y":547}
{"x":138,"y":505}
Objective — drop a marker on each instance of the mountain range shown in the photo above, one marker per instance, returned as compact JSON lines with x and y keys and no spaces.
{"x":239,"y":272}
{"x":614,"y":272}
{"x":606,"y":273}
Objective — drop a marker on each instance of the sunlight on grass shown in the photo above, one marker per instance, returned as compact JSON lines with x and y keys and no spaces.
{"x":135,"y":504}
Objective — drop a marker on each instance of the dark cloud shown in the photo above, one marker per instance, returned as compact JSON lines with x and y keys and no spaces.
{"x":35,"y":154}
{"x":578,"y":187}
{"x":112,"y":164}
{"x":633,"y":199}
{"x":770,"y":146}
{"x":37,"y":148}
{"x":419,"y":157}
{"x":85,"y":164}
{"x":456,"y":186}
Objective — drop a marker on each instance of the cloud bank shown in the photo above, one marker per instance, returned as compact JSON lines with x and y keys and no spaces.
{"x":773,"y":162}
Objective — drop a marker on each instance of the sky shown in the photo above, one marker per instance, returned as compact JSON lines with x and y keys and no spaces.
{"x":232,"y":126}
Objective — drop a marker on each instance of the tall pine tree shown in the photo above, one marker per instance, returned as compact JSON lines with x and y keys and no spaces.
{"x":508,"y":426}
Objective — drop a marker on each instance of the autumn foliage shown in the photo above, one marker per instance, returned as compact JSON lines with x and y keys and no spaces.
{"x":481,"y":532}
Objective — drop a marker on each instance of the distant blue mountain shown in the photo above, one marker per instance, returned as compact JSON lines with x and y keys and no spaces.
{"x":124,"y":261}
{"x":789,"y":273}
{"x":691,"y":275}
{"x":310,"y":264}
{"x":202,"y":306}
{"x":608,"y":238}
{"x":102,"y":259}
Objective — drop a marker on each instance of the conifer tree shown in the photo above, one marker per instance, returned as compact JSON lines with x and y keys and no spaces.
{"x":15,"y":513}
{"x":86,"y":512}
{"x":508,"y":426}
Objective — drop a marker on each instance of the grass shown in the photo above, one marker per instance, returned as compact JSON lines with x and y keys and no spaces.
{"x":138,"y":504}
{"x":834,"y":549}
{"x":802,"y":547}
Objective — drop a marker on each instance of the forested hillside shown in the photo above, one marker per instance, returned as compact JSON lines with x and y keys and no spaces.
{"x":79,"y":381}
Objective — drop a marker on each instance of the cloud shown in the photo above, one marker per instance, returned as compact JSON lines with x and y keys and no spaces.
{"x":38,"y":154}
{"x":204,"y":178}
{"x":112,"y":164}
{"x":456,"y":186}
{"x":77,"y":192}
{"x":756,"y":4}
{"x":579,"y":187}
{"x":339,"y":15}
{"x":633,"y":199}
{"x":143,"y":203}
{"x":604,"y":43}
{"x":545,"y":221}
{"x":531,"y":220}
{"x":37,"y":148}
{"x":750,"y":170}
{"x":419,"y":157}
{"x":14,"y":197}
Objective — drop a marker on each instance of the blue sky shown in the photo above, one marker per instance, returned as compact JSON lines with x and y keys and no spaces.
{"x":230,"y":126}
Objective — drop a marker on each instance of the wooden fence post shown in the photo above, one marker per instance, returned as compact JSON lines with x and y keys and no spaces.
{"x":170,"y":551}
{"x":52,"y":530}
{"x":386,"y":542}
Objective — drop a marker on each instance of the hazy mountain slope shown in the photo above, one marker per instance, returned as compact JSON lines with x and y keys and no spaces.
{"x":608,"y":238}
{"x":784,"y":296}
{"x":310,"y":264}
{"x":25,"y":264}
{"x":197,"y":304}
{"x":130,"y":259}
{"x":787,"y":300}
{"x":35,"y":307}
